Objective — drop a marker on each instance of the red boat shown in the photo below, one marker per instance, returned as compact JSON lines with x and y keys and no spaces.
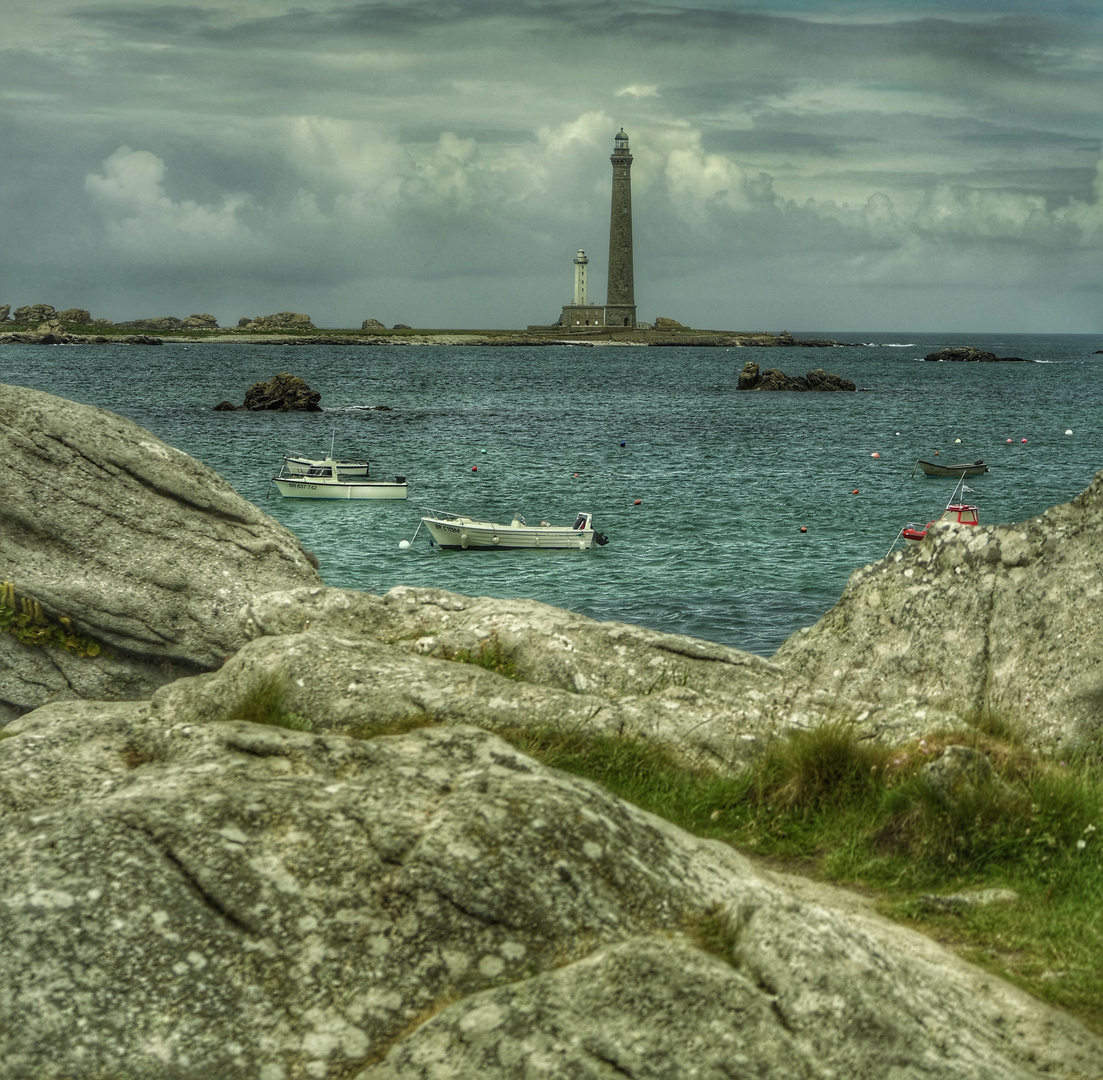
{"x":961,"y":513}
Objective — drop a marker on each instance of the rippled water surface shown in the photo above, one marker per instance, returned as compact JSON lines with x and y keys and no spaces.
{"x":724,"y":479}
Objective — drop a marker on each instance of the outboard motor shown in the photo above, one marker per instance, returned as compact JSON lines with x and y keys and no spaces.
{"x":400,"y":479}
{"x":600,"y":538}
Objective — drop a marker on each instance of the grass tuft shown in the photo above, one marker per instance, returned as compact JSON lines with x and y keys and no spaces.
{"x":264,"y":703}
{"x":490,"y":655}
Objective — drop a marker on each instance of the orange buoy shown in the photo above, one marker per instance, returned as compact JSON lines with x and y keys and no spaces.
{"x":874,"y":455}
{"x":637,"y":502}
{"x":1024,"y":440}
{"x":804,"y":528}
{"x":854,"y":492}
{"x":474,"y":468}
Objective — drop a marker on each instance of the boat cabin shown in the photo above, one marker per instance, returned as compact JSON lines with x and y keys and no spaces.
{"x":962,"y":513}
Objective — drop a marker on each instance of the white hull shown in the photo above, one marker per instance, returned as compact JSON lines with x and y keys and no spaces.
{"x":458,"y":532}
{"x":293,"y":487}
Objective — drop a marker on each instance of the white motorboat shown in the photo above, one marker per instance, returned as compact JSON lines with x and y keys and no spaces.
{"x":459,"y":531}
{"x":324,"y":481}
{"x":305,"y":466}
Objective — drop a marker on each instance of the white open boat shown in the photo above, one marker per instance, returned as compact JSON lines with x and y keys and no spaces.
{"x":306,"y":466}
{"x":324,"y":481}
{"x":459,"y":531}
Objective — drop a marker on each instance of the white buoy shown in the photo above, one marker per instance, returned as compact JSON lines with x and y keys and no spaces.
{"x":1068,"y":431}
{"x":404,"y":544}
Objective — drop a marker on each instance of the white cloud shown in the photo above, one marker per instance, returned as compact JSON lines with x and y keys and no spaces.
{"x":143,"y":220}
{"x":637,"y":90}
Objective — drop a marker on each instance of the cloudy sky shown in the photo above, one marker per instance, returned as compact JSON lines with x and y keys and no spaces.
{"x":838,"y":166}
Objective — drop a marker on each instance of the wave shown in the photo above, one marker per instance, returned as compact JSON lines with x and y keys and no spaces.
{"x":889,"y":344}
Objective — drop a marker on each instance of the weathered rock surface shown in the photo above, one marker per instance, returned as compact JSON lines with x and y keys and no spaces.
{"x":372,"y":324}
{"x":75,"y":315}
{"x":282,"y":393}
{"x":234,"y":900}
{"x":377,"y":660}
{"x":1015,"y":644}
{"x":283,"y":320}
{"x":33,"y":314}
{"x":751,"y":378}
{"x":89,"y":540}
{"x":5,"y":311}
{"x":61,"y":337}
{"x":164,"y":324}
{"x":970,"y":354}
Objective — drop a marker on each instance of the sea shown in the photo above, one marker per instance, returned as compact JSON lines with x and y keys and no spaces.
{"x":732,"y":516}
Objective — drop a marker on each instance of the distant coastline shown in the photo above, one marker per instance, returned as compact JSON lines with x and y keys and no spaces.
{"x":682,"y":337}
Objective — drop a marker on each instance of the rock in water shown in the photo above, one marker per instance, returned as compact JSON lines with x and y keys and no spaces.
{"x":971,"y":355}
{"x":751,"y":378}
{"x":148,"y":552}
{"x":282,"y":393}
{"x":240,"y":900}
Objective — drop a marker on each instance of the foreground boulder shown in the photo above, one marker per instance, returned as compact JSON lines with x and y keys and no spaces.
{"x":751,"y":378}
{"x":147,"y":553}
{"x":973,"y":621}
{"x":236,"y":900}
{"x":358,"y":662}
{"x":281,"y":393}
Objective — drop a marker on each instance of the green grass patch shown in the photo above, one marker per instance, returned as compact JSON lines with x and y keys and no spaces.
{"x":265,"y":703}
{"x":490,"y":655}
{"x":862,"y":814}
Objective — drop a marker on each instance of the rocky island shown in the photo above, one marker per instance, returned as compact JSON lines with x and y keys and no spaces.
{"x":41,"y":324}
{"x":257,"y":827}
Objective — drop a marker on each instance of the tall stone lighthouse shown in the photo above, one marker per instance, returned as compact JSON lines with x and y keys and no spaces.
{"x":620,"y":300}
{"x":620,"y":305}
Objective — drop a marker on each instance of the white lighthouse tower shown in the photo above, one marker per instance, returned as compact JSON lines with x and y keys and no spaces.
{"x":580,"y":262}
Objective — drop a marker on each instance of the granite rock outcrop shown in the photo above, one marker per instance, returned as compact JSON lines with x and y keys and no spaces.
{"x":972,"y":621}
{"x":238,"y":900}
{"x":143,"y":549}
{"x":283,"y":320}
